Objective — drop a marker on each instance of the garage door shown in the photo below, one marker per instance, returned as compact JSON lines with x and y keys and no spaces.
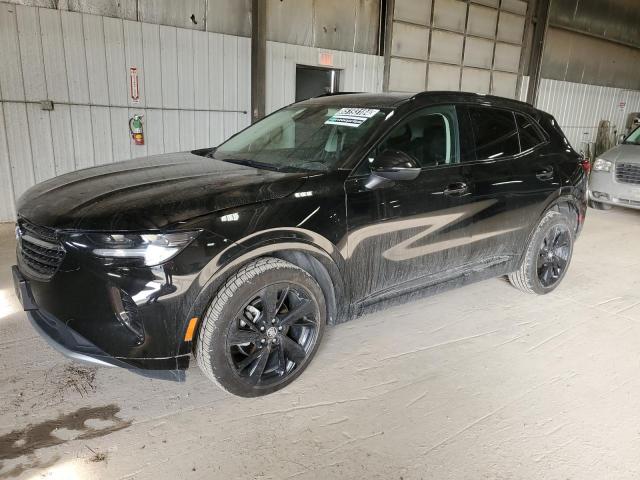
{"x":456,"y":45}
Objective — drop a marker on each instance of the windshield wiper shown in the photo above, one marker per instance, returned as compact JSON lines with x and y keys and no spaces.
{"x":252,"y":163}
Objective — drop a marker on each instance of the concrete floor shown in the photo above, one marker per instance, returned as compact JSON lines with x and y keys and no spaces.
{"x":480,"y":382}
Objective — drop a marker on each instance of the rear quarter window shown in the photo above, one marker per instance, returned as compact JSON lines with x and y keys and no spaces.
{"x":530,"y":134}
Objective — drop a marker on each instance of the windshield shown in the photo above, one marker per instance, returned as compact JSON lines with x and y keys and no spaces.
{"x":311,"y":137}
{"x":633,"y":138}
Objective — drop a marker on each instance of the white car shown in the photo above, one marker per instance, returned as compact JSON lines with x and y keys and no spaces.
{"x":615,"y":176}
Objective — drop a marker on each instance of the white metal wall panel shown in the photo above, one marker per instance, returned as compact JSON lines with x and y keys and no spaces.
{"x":35,"y":85}
{"x":96,"y":55}
{"x":154,"y":131}
{"x":75,"y":57}
{"x":19,"y":147}
{"x":82,"y":136}
{"x":186,"y":80}
{"x":114,"y":47}
{"x":579,"y":108}
{"x":119,"y":133}
{"x":11,"y":86}
{"x":359,"y":72}
{"x":152,"y":65}
{"x":7,"y":202}
{"x":102,"y":146}
{"x":41,"y":143}
{"x":61,"y":131}
{"x":53,"y":52}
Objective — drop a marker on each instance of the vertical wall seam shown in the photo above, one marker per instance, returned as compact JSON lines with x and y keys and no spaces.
{"x":86,"y":61}
{"x":66,"y":69}
{"x":24,"y":92}
{"x":175,"y":30}
{"x":46,"y":88}
{"x":12,"y":190}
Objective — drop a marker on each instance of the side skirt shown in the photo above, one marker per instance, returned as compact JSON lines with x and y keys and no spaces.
{"x":430,"y":285}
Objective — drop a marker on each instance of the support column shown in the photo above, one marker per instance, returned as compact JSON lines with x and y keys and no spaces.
{"x":258,"y":59}
{"x":541,"y":23}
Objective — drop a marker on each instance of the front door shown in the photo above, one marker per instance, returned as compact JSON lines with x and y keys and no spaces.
{"x":404,"y":235}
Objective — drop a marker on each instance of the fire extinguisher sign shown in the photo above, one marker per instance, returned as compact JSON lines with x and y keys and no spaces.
{"x":134,"y":90}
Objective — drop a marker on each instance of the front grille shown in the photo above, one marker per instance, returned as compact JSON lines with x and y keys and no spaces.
{"x":39,"y":250}
{"x":628,"y":173}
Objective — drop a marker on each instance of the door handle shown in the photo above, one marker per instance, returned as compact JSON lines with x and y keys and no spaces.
{"x":545,"y":174}
{"x":457,"y":188}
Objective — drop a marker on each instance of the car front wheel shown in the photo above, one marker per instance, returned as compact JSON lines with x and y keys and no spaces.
{"x":262,"y":328}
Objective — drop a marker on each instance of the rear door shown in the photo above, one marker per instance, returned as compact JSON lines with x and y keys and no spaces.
{"x":539,"y":170}
{"x":491,"y":148}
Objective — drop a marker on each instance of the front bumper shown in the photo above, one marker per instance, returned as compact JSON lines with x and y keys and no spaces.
{"x":73,"y":345}
{"x":604,"y":188}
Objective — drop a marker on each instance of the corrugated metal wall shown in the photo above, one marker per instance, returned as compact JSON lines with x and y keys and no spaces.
{"x":194,"y":92}
{"x":348,"y":25}
{"x":360,"y":72}
{"x":579,"y":107}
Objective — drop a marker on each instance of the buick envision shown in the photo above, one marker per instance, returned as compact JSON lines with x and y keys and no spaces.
{"x":240,"y":255}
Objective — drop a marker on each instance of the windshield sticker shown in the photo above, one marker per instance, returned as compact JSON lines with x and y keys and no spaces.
{"x":351,"y":117}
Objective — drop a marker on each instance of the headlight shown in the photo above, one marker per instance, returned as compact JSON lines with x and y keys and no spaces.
{"x":601,"y":165}
{"x":146,"y":249}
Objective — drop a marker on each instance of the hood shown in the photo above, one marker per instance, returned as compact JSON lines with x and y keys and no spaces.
{"x":623,"y":153}
{"x":150,"y":192}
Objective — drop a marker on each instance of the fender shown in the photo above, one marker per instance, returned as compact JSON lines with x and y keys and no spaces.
{"x":554,"y":203}
{"x":273,"y":242}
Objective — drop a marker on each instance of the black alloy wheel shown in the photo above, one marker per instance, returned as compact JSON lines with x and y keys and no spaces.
{"x":273,"y":334}
{"x":548,"y":255}
{"x":262,"y":328}
{"x":554,"y":255}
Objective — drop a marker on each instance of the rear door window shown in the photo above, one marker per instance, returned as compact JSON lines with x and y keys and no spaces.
{"x":495,"y":133}
{"x":530,"y":135}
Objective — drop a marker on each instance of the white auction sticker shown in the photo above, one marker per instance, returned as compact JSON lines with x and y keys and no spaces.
{"x":351,"y":117}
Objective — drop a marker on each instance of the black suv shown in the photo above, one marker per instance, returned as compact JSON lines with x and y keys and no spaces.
{"x":241,"y":254}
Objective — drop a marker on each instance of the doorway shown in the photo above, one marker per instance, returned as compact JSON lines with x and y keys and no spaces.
{"x":315,"y":81}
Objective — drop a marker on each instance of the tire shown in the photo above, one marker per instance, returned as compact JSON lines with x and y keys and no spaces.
{"x":599,"y":205}
{"x":246,"y":348}
{"x":540,"y":271}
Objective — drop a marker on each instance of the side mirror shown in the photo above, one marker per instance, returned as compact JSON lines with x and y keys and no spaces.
{"x":395,"y":165}
{"x":621,"y":138}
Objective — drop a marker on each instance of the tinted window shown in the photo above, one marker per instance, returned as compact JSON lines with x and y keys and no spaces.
{"x":495,"y":133}
{"x":428,"y":136}
{"x":530,"y":135}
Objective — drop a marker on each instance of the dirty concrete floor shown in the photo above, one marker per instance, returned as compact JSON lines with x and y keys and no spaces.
{"x":480,"y":382}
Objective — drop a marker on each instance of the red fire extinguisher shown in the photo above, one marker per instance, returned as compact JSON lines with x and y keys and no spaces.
{"x":136,"y":130}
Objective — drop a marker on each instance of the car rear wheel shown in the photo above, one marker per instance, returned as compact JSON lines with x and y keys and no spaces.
{"x":262,"y":328}
{"x":547,"y":257}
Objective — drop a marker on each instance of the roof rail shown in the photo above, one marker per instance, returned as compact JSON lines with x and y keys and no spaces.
{"x":334,"y":94}
{"x":452,"y":92}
